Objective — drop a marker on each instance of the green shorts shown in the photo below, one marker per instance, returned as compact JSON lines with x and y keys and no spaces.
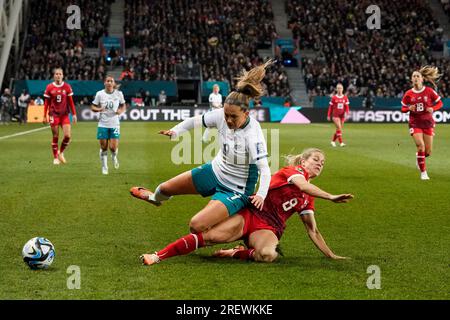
{"x":206,"y":184}
{"x":108,"y":133}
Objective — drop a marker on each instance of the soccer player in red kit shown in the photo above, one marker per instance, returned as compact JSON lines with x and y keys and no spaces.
{"x":290,"y":192}
{"x":58,"y":97}
{"x":421,"y":101}
{"x":338,"y":109}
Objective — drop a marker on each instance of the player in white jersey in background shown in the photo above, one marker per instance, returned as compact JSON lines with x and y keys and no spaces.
{"x":110,"y":103}
{"x":215,"y":102}
{"x":232,"y":175}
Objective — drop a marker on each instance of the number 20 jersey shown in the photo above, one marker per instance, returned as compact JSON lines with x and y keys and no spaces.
{"x":110,"y":102}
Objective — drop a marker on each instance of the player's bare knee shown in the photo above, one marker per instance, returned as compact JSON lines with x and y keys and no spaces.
{"x":165,"y":188}
{"x":196,"y":226}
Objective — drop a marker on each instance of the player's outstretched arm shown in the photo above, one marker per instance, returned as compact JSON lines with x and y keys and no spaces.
{"x":316,"y":237}
{"x":169,"y":133}
{"x":184,"y":126}
{"x":341,"y":198}
{"x":315,"y":191}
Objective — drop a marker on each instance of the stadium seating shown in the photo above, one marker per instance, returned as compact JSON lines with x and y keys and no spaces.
{"x":446,"y":7}
{"x":222,"y":36}
{"x":380,"y":61}
{"x":51,"y":44}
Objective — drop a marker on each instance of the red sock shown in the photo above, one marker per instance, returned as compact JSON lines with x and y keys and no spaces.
{"x":184,"y":245}
{"x":245,"y":254}
{"x":64,"y":144}
{"x":334,"y":137}
{"x":339,"y":135}
{"x":55,"y":147}
{"x":421,"y":160}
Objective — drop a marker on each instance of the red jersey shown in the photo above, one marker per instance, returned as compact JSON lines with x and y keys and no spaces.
{"x":284,"y":199}
{"x":58,"y":96}
{"x":422,"y":100}
{"x":339,"y":106}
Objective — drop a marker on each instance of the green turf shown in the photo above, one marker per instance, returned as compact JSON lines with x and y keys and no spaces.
{"x":396,"y":221}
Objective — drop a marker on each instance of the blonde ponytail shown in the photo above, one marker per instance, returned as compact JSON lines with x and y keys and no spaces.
{"x":430,"y":74}
{"x":249,"y":86}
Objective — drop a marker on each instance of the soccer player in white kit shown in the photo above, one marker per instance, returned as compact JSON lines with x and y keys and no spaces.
{"x":110,"y":103}
{"x":215,"y":102}
{"x":232,"y":175}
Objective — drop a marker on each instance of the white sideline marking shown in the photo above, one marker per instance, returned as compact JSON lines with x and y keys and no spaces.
{"x":22,"y":133}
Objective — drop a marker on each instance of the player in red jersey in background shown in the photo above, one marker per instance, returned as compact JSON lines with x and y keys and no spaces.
{"x":57,"y":97}
{"x":421,"y":101}
{"x":337,"y":111}
{"x":290,"y":192}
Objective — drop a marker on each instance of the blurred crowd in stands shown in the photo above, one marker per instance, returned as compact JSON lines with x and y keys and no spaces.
{"x":446,"y":7}
{"x":377,"y":62}
{"x":223,"y":37}
{"x":49,"y":43}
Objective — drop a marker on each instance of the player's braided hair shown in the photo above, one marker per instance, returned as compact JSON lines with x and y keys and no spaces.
{"x":430,"y":74}
{"x":296,"y":159}
{"x":249,"y":86}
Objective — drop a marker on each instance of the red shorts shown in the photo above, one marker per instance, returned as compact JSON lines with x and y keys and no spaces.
{"x":427,"y":131}
{"x":342,"y":117}
{"x":59,"y":120}
{"x":253,"y":223}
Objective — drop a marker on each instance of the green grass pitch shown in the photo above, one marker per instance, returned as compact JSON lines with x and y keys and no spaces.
{"x":396,"y":221}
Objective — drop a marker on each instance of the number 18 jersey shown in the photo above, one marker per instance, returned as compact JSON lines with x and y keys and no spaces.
{"x":422,"y":100}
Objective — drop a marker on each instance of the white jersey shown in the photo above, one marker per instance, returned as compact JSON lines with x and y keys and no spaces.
{"x":234,"y":165}
{"x":215,"y":100}
{"x":111,"y":102}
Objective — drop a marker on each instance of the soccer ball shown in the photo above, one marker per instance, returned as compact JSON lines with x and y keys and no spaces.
{"x":38,"y":253}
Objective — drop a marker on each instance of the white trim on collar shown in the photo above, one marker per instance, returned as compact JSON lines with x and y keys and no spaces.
{"x":420,"y":91}
{"x":58,"y":86}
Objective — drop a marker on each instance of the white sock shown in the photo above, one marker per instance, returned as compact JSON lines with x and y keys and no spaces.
{"x":159,"y":196}
{"x":104,"y":158}
{"x":114,"y":154}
